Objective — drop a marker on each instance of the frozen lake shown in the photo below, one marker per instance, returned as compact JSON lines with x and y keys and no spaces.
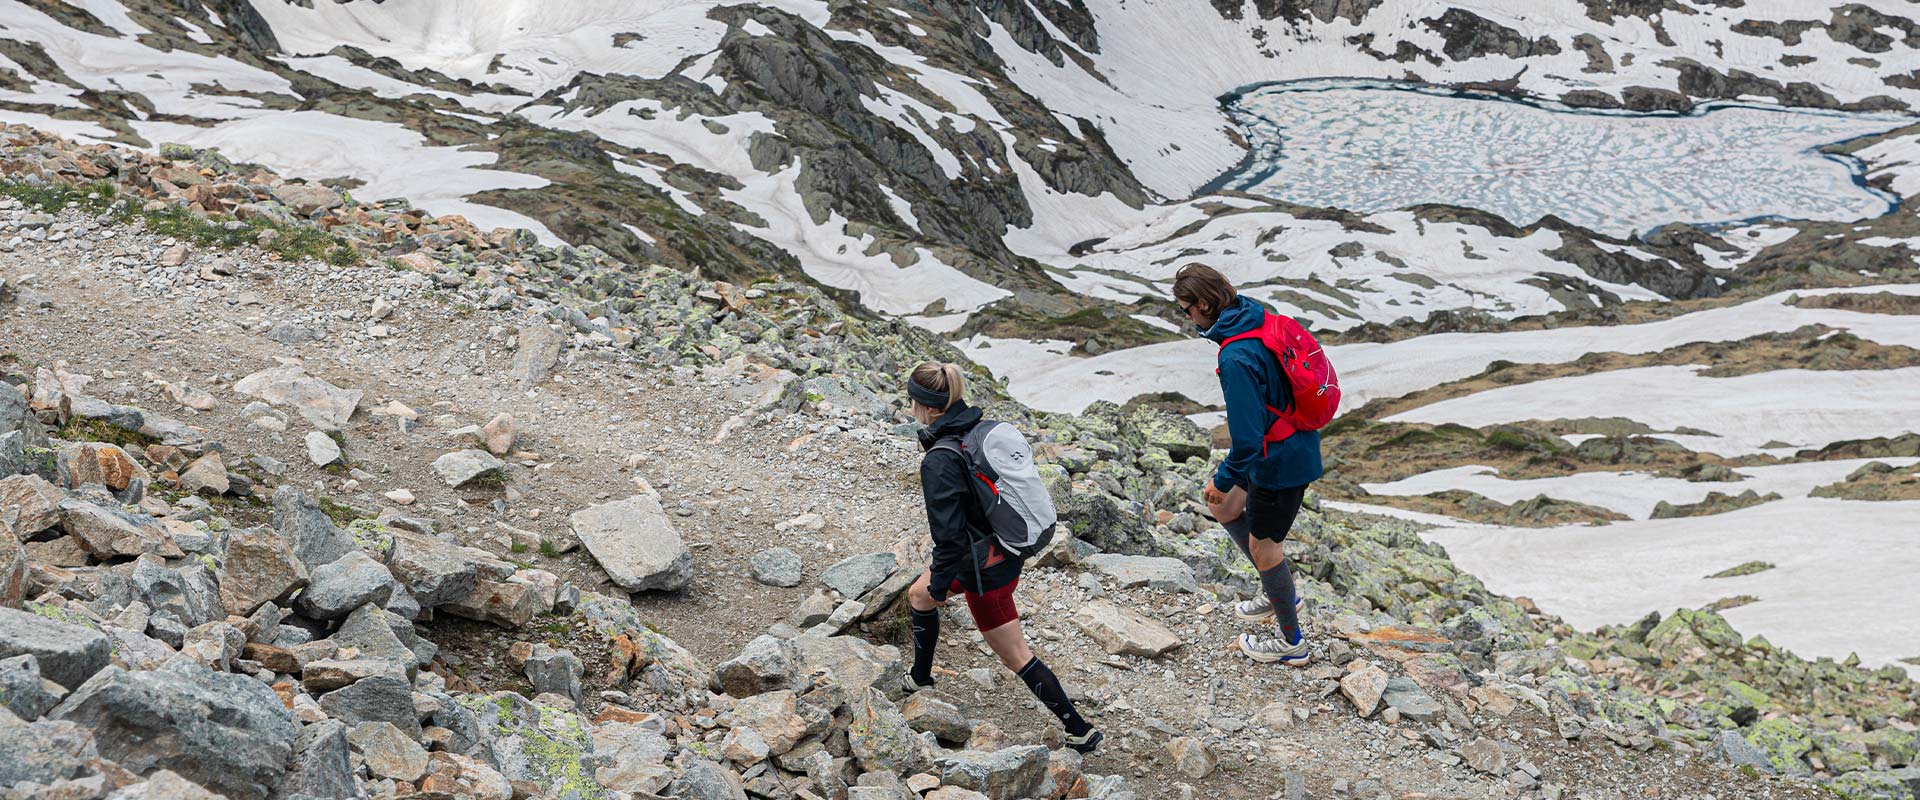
{"x":1373,"y":146}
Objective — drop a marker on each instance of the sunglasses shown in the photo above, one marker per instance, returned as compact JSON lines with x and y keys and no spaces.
{"x":1185,"y":308}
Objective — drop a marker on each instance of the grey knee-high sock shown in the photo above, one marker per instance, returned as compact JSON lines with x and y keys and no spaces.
{"x":1278,"y":584}
{"x":1238,"y":530}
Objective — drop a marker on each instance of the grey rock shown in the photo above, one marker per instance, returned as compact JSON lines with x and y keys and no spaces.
{"x":322,"y":449}
{"x":371,"y":630}
{"x":1411,"y":701}
{"x":705,"y":780}
{"x":764,"y":665}
{"x":325,"y":405}
{"x":849,"y":660}
{"x":307,"y":199}
{"x":389,"y":753}
{"x":538,"y":742}
{"x":23,"y":691}
{"x":461,"y":466}
{"x":538,"y":352}
{"x":929,"y":714}
{"x":228,"y":733}
{"x":380,"y":698}
{"x":1164,"y":574}
{"x":1742,"y":753}
{"x":1123,"y":631}
{"x":321,"y":766}
{"x":13,"y":454}
{"x":44,"y":751}
{"x":66,"y":653}
{"x":337,"y":588}
{"x":258,"y":567}
{"x":555,"y":670}
{"x":881,"y":740}
{"x":14,"y":568}
{"x":191,"y":593}
{"x":635,"y":542}
{"x":17,"y":416}
{"x":109,"y":533}
{"x":1484,"y":755}
{"x":1008,"y":774}
{"x":316,"y":541}
{"x":856,"y":575}
{"x":34,"y":500}
{"x":508,"y":604}
{"x":776,"y":567}
{"x":164,"y":785}
{"x":813,"y":610}
{"x":434,"y":571}
{"x":1192,"y":757}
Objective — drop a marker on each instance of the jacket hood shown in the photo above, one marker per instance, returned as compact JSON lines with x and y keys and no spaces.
{"x":1244,"y":315}
{"x":956,"y":422}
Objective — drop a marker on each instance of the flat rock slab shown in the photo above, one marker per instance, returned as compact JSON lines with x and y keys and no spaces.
{"x":635,"y":543}
{"x":325,"y":405}
{"x":857,"y":575}
{"x":1164,"y":574}
{"x":1123,"y":631}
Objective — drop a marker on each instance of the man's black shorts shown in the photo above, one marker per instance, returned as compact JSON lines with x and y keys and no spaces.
{"x":1270,"y":512}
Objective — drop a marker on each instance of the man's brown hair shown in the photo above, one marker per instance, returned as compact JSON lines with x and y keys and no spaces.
{"x":1202,"y":285}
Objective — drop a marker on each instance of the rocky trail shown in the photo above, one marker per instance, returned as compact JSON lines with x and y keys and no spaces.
{"x":369,"y":529}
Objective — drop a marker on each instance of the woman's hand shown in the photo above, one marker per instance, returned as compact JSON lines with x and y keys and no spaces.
{"x":1225,"y":506}
{"x":1213,"y":495}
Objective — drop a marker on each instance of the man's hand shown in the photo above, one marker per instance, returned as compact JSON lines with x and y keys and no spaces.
{"x":1213,"y":495}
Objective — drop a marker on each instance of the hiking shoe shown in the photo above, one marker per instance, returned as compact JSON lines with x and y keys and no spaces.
{"x":1086,"y":743}
{"x":1260,"y":609}
{"x":1273,"y":649}
{"x":909,"y":685}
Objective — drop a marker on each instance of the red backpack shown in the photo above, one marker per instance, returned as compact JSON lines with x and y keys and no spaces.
{"x":1315,"y":389}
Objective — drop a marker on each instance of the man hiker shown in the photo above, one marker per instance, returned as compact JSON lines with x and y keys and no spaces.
{"x":1257,"y":490}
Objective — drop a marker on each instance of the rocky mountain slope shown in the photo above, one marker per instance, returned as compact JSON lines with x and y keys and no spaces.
{"x":487,"y":518}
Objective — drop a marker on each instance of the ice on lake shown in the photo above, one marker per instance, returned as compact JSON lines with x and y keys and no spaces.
{"x":1374,"y":146}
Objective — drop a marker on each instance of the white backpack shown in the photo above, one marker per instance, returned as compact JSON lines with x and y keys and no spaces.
{"x":1007,"y":486}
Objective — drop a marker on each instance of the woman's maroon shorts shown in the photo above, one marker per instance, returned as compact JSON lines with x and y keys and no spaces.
{"x":990,"y":610}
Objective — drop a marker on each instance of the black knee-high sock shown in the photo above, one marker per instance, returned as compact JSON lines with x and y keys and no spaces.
{"x":926,"y":635}
{"x":1045,"y":685}
{"x":1278,"y":584}
{"x":1238,"y":530}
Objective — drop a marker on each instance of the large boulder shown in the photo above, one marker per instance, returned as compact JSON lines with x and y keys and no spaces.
{"x":1008,"y":774}
{"x":340,"y":587}
{"x":437,"y":572}
{"x":190,"y":593}
{"x":848,"y":660}
{"x":775,"y":717}
{"x":66,"y":653}
{"x":543,"y":744}
{"x":307,"y":199}
{"x":108,"y":533}
{"x":258,"y":567}
{"x":325,"y":405}
{"x":380,"y":698}
{"x":635,"y":543}
{"x":226,"y":732}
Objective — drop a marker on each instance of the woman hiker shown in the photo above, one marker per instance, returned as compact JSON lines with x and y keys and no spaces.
{"x":1258,"y":488}
{"x":956,"y":520}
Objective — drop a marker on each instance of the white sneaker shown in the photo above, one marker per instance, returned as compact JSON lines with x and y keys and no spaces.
{"x":1260,"y":609}
{"x":1273,"y":649}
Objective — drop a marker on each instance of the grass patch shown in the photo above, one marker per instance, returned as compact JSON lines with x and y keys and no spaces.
{"x":549,"y":549}
{"x":341,"y":514}
{"x":86,"y":429}
{"x":517,"y":548}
